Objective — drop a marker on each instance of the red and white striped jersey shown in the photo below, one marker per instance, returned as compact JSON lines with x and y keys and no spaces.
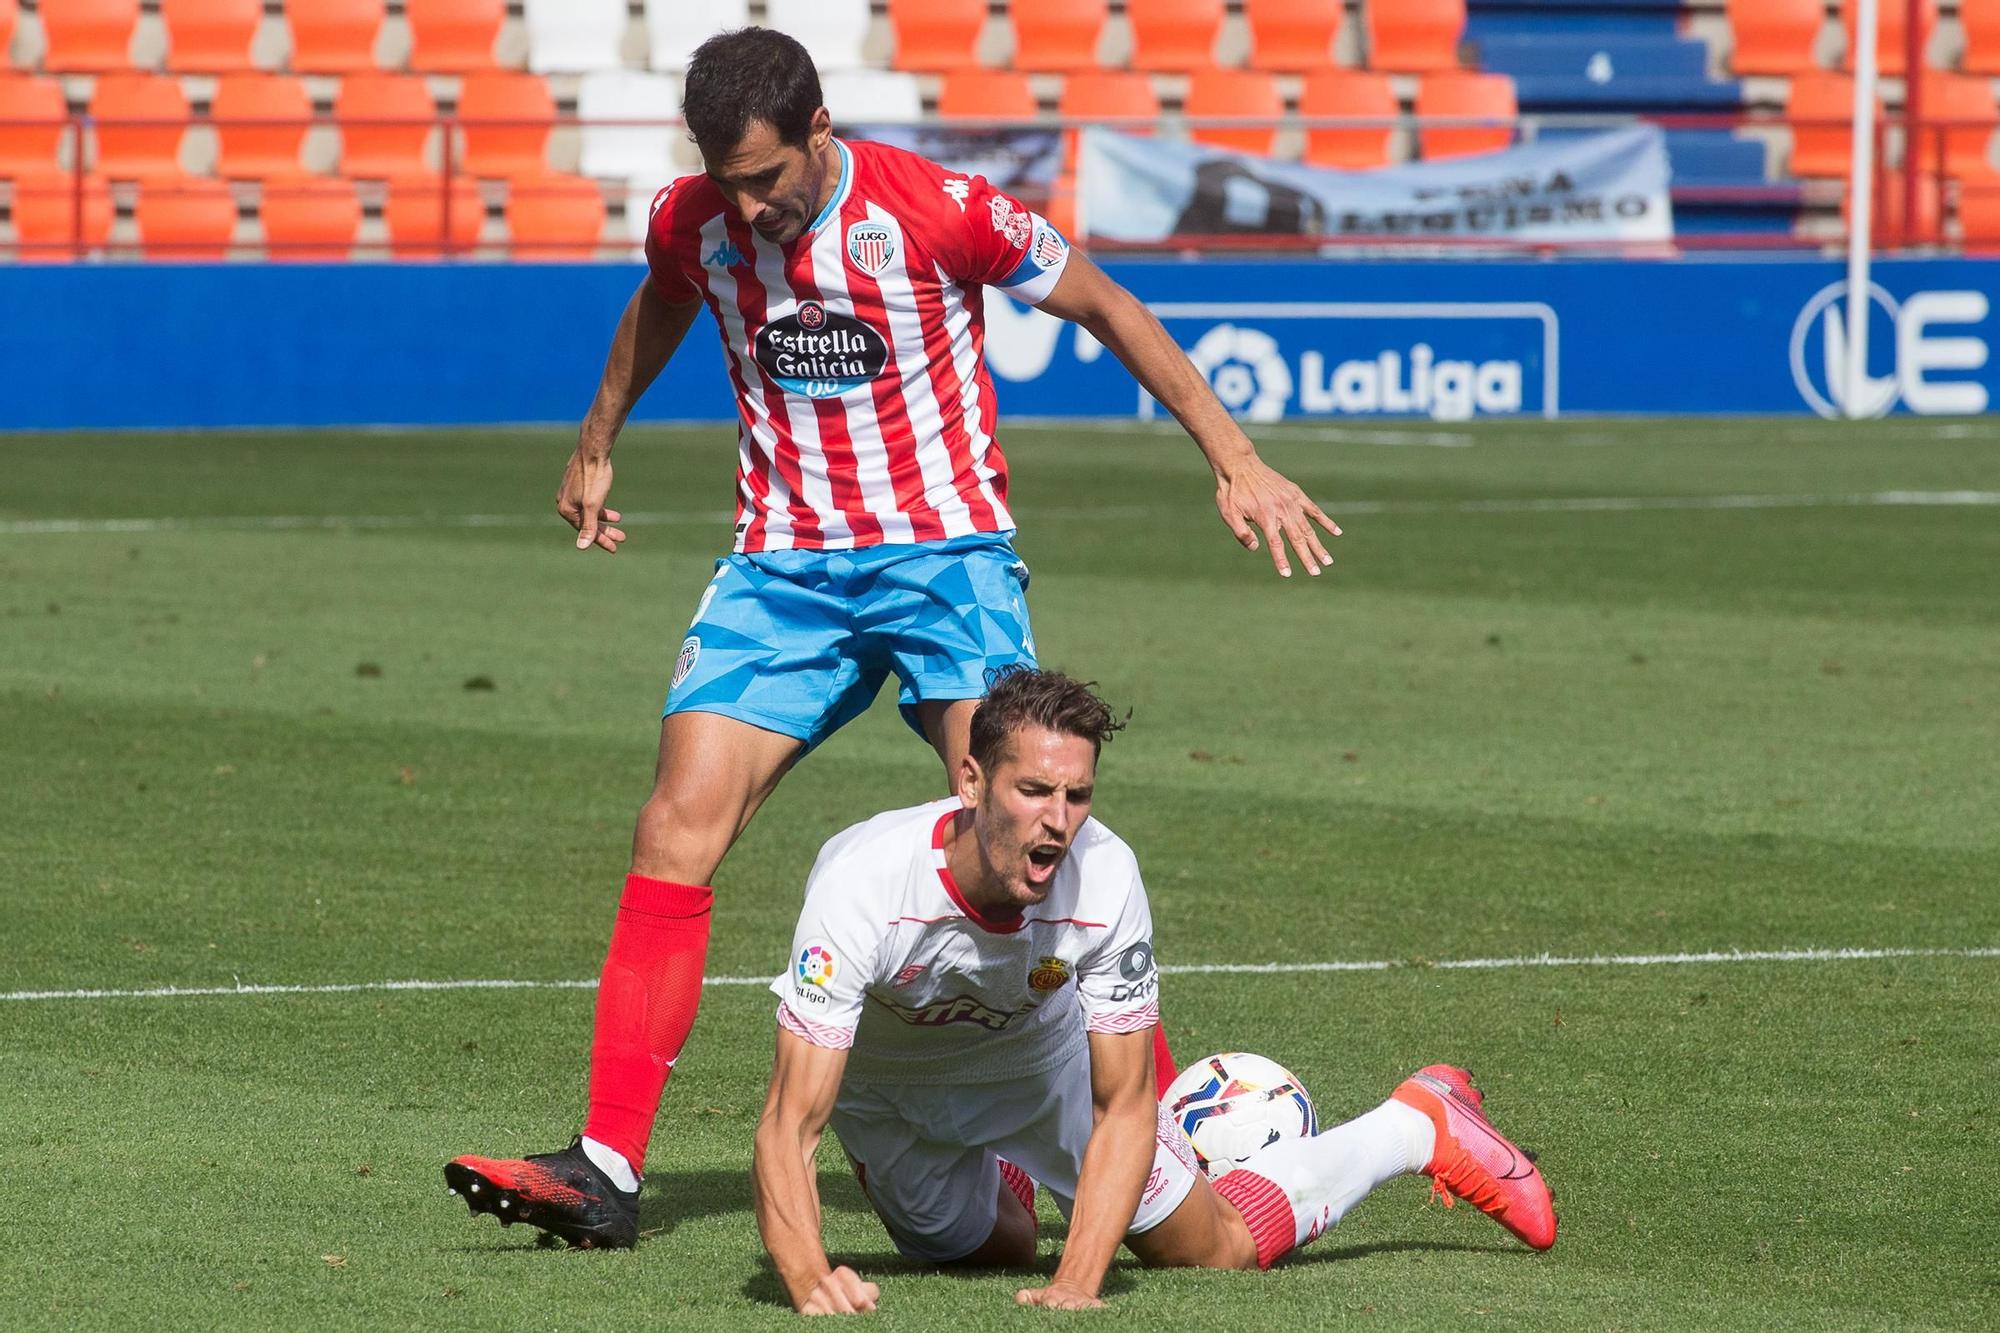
{"x":890,"y":960}
{"x":857,"y":350}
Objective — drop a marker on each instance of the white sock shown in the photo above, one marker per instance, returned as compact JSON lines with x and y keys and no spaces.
{"x":1294,"y":1190}
{"x":613,"y":1164}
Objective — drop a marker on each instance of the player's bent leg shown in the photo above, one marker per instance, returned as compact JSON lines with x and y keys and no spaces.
{"x":1012,"y":1244}
{"x":713,"y":774}
{"x":1206,"y":1231}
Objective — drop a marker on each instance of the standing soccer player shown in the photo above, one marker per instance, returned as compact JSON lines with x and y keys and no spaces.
{"x":872,"y":535}
{"x":967,"y":998}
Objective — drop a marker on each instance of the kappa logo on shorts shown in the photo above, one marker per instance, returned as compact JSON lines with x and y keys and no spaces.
{"x":870,"y":246}
{"x":690,"y":654}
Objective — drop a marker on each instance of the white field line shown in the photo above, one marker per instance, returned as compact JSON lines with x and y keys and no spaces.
{"x":1564,"y":504}
{"x":1189,"y":969}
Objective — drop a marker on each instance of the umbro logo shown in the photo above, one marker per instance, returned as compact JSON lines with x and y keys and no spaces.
{"x":725,"y":255}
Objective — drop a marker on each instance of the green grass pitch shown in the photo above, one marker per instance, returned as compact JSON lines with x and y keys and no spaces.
{"x":390,"y":741}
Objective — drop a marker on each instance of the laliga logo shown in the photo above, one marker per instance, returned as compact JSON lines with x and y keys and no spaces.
{"x":1246,"y":370}
{"x":1916,"y":351}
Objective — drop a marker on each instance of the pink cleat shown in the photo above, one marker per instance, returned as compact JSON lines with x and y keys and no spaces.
{"x":1473,"y":1162}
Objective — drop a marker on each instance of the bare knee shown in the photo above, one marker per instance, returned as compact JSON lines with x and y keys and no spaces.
{"x":679,"y":838}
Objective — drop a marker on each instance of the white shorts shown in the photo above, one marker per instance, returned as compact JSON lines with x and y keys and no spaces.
{"x":929,"y":1157}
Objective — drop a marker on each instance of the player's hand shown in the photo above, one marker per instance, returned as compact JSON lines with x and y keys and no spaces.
{"x":1258,"y":494}
{"x":841,"y":1292}
{"x":1058,"y":1296}
{"x":586,"y":485}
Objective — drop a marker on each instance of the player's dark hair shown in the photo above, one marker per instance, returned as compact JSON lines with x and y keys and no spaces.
{"x":749,"y":74}
{"x":1020,"y":696}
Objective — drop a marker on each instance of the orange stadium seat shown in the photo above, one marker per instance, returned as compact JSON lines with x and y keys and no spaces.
{"x":334,"y":36}
{"x":1293,"y":35}
{"x":1463,"y":95}
{"x":34,"y":119}
{"x":1892,"y":28}
{"x":1057,"y":34}
{"x":1966,"y":101}
{"x":1820,"y":108}
{"x":10,"y":19}
{"x":453,"y":36}
{"x":1116,"y":99}
{"x":1350,"y":92}
{"x":47,"y":223}
{"x":385,"y":121}
{"x":555,"y":217}
{"x":210,"y":36}
{"x":186,"y":217}
{"x":308,"y":218}
{"x":1174,"y":34}
{"x":260,"y":122}
{"x":986,"y":94}
{"x":1980,"y":20}
{"x":132,"y":150}
{"x":1413,"y":36}
{"x":1774,"y":36}
{"x":937,"y":34}
{"x":1979,"y":213}
{"x":87,"y":35}
{"x":1234,"y":92}
{"x":418,"y":224}
{"x":508,"y":119}
{"x":1888,"y":210}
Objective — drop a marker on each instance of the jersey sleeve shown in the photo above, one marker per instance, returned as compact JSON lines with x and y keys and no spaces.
{"x":1118,"y":983}
{"x":994,"y":239}
{"x":663,"y":262}
{"x":834,"y":949}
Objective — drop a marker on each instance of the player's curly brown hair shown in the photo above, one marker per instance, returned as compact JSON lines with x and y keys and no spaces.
{"x":1020,"y":696}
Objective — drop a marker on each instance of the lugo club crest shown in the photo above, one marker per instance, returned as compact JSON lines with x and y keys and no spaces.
{"x":820,"y":353}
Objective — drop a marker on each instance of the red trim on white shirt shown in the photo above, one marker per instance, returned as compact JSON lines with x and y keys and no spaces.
{"x":993,"y":925}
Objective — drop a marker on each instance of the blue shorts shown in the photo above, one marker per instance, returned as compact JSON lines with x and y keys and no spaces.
{"x":799,"y":642}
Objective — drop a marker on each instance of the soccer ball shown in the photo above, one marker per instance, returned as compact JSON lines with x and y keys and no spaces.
{"x":1231,"y":1106}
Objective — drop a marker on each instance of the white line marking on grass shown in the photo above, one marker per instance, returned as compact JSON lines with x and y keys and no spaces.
{"x":1185,"y":969}
{"x":1563,"y":504}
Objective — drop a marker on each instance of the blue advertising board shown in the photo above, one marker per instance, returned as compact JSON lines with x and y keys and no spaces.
{"x":104,"y":346}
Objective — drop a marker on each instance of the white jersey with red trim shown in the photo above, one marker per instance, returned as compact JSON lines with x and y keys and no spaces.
{"x":857,"y":351}
{"x":890,"y":960}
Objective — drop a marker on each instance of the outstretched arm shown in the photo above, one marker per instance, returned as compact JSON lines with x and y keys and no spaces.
{"x":648,"y":332}
{"x":804,"y":1082}
{"x":1115,"y":1164}
{"x":1248,"y":491}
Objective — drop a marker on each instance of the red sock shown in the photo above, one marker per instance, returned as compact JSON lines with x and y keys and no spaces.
{"x":1163,"y":1059}
{"x":646,"y":1001}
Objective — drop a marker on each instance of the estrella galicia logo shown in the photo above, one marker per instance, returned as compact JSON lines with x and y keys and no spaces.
{"x":820,"y":353}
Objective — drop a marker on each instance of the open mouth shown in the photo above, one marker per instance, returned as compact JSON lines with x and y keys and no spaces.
{"x":1042,"y":861}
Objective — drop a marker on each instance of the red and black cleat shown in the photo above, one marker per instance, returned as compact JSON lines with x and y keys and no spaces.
{"x":563,"y":1193}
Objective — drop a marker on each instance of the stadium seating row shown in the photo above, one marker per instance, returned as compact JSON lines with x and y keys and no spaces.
{"x":307,"y":218}
{"x":389,"y":124}
{"x":454,"y":36}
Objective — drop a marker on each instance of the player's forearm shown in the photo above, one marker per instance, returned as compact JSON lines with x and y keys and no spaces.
{"x":647,"y":335}
{"x":1137,"y":338}
{"x":1114,"y":1170}
{"x":788,"y":1207}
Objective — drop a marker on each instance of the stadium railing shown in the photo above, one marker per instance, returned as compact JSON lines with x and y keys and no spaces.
{"x":1920,"y":174}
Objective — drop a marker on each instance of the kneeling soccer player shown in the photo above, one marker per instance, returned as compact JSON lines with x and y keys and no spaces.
{"x":969,"y":1001}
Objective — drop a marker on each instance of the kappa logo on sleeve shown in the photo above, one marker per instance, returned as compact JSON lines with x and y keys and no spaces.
{"x":958,"y":189}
